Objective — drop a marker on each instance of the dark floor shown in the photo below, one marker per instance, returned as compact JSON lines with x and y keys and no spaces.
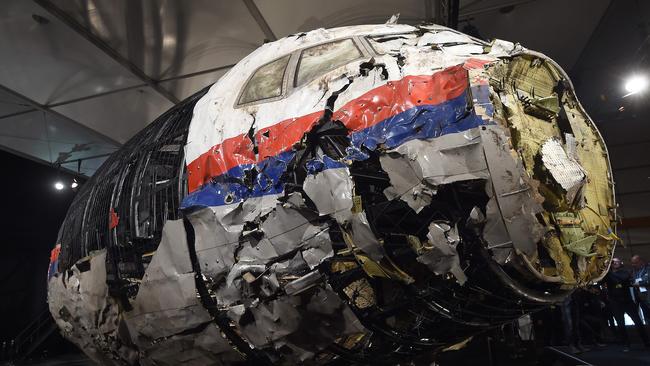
{"x":614,"y":355}
{"x":611,"y":354}
{"x":503,"y":353}
{"x":76,"y":359}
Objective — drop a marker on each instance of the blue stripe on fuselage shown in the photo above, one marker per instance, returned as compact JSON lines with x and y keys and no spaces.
{"x":420,"y":122}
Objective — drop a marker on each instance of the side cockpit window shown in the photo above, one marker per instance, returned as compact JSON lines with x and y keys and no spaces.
{"x":266,"y":82}
{"x":318,"y":60}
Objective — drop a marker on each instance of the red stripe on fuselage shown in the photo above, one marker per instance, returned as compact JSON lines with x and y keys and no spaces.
{"x":476,"y":63}
{"x":365,"y":111}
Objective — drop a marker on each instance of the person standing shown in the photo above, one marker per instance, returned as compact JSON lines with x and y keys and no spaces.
{"x":571,"y":321}
{"x":642,"y":284}
{"x":591,"y":315}
{"x":619,"y":282}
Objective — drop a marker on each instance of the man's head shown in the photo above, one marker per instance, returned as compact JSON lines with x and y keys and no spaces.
{"x":637,"y":262}
{"x":617,"y":263}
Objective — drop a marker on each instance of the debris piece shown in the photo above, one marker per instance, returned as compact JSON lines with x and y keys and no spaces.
{"x":441,"y":257}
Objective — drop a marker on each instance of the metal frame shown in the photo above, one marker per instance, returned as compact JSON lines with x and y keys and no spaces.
{"x":72,"y":23}
{"x":33,"y":106}
{"x":111,"y":188}
{"x":37,"y":160}
{"x":442,"y":12}
{"x":47,"y":109}
{"x":259,"y":19}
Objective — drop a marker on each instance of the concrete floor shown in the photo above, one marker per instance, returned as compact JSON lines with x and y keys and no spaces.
{"x":76,"y":359}
{"x":612,"y":354}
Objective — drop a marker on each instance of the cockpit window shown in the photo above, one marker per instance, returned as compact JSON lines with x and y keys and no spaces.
{"x":320,"y":59}
{"x":266,"y":82}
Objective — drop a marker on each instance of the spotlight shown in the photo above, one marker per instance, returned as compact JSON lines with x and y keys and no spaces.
{"x":74,"y":184}
{"x":58,"y":186}
{"x":636,"y":84}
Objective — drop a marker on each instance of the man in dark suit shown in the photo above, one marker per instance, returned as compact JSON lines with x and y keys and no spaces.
{"x":641,"y":282}
{"x":619,"y":282}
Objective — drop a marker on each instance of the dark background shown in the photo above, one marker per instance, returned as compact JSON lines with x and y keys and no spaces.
{"x":31,"y":212}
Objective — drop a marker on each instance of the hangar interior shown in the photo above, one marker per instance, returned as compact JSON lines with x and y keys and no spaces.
{"x":79,"y":78}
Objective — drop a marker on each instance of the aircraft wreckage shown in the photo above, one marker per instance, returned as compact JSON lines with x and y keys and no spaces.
{"x":366,"y":194}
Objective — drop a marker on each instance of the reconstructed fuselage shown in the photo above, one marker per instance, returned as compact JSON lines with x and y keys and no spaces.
{"x":367,"y":194}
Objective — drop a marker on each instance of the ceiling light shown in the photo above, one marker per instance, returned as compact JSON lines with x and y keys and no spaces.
{"x":58,"y":186}
{"x":636,"y":84}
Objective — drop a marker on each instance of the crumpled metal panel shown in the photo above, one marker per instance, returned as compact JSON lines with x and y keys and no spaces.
{"x":512,"y":191}
{"x":364,"y":237}
{"x":155,"y":314}
{"x":331,"y":192}
{"x":441,"y":257}
{"x":166,"y":320}
{"x":87,"y":315}
{"x":290,"y":321}
{"x":206,"y":347}
{"x":495,"y":232}
{"x":443,"y":37}
{"x":318,"y":244}
{"x":417,"y":167}
{"x":267,"y":261}
{"x":564,"y":168}
{"x":165,"y":326}
{"x":285,"y":227}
